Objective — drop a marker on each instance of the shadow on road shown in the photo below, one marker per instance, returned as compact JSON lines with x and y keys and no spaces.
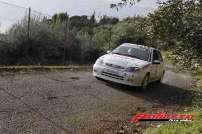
{"x":159,"y":93}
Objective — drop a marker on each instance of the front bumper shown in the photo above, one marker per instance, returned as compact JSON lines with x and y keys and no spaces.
{"x":118,"y":76}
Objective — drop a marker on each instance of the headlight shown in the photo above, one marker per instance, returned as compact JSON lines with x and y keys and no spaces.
{"x":100,"y":62}
{"x":132,"y":69}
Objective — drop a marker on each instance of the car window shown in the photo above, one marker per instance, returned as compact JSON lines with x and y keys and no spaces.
{"x":155,"y":55}
{"x":139,"y":53}
{"x":160,"y":56}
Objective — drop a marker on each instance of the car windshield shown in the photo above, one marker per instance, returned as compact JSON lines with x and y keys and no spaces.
{"x":134,"y":52}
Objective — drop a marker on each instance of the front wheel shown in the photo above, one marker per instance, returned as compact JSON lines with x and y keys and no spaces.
{"x":145,"y":82}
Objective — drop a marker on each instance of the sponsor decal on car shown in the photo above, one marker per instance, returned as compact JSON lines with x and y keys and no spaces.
{"x":161,"y":117}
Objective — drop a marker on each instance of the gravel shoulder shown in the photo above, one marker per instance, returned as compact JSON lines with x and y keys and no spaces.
{"x":61,"y":102}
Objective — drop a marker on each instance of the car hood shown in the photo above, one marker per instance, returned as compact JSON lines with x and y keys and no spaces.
{"x":123,"y":61}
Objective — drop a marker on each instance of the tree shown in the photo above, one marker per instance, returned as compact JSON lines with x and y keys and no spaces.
{"x":78,"y":22}
{"x":178,"y":20}
{"x":92,"y":21}
{"x":178,"y":24}
{"x":123,"y":3}
{"x":108,"y":20}
{"x":42,"y":46}
{"x":59,"y":18}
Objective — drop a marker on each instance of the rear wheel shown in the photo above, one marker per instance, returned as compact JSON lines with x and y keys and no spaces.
{"x":161,"y":79}
{"x":145,"y":82}
{"x":98,"y":78}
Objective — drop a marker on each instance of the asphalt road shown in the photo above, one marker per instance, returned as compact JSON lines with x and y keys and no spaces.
{"x":63,"y":102}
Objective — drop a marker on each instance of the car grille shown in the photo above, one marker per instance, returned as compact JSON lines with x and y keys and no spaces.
{"x":115,"y":76}
{"x":114,"y":66}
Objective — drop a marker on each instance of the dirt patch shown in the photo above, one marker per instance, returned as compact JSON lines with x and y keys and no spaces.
{"x":75,"y":102}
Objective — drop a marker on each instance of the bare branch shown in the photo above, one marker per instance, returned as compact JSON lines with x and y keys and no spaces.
{"x":123,"y":3}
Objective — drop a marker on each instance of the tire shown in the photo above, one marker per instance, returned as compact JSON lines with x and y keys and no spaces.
{"x":98,"y":78}
{"x":145,"y":82}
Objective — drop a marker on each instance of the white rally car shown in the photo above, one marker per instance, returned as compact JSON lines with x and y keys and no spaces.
{"x":130,"y":64}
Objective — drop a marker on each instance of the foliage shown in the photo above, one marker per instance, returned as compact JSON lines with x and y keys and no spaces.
{"x":129,"y":31}
{"x":123,"y":3}
{"x":108,"y":20}
{"x":18,"y":49}
{"x":178,"y":25}
{"x":66,"y":40}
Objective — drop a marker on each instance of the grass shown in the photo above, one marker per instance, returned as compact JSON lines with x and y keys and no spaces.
{"x":197,"y":100}
{"x":193,"y":127}
{"x":198,"y":75}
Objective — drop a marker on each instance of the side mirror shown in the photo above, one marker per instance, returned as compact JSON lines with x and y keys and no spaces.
{"x":156,"y":62}
{"x":108,"y":51}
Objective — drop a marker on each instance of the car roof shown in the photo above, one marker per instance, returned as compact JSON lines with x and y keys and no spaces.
{"x":138,"y":46}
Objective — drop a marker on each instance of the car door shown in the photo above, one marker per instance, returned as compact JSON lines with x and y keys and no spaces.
{"x":154,"y":74}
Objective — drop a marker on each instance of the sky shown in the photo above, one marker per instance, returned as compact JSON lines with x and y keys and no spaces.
{"x":10,"y":14}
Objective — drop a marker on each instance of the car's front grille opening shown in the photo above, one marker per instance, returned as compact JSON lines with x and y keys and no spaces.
{"x":115,"y":76}
{"x":114,"y":66}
